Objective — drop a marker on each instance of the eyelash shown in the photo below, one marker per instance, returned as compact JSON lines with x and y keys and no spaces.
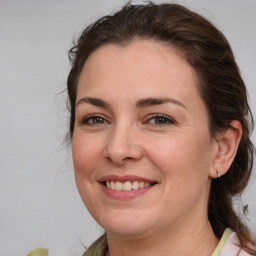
{"x":92,"y":118}
{"x":166,"y":119}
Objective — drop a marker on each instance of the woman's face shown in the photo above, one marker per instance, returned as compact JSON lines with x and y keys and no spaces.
{"x":142,"y":150}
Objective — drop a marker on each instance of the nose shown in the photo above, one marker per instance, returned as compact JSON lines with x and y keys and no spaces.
{"x":123,"y":145}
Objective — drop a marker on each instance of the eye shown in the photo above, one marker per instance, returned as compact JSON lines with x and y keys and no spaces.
{"x":160,"y":119}
{"x":94,"y":120}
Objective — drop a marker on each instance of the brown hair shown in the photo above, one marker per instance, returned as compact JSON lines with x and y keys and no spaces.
{"x":206,"y":49}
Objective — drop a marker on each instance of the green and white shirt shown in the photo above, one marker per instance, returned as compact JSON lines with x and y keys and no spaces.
{"x":228,"y":246}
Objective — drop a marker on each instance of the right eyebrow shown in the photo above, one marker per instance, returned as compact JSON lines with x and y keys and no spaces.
{"x":93,"y":101}
{"x":147,"y":102}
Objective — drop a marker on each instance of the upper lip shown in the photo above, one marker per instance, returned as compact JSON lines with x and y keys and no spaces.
{"x":124,"y":178}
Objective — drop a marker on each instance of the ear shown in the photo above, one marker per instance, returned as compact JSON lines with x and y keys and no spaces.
{"x":227,"y":144}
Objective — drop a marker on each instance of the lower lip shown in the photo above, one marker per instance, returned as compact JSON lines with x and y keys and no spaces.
{"x":124,"y":195}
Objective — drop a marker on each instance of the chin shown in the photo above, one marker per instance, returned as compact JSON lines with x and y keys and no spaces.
{"x":131,"y":231}
{"x":126,"y":224}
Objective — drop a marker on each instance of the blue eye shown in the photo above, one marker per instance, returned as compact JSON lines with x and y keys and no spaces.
{"x":159,"y":119}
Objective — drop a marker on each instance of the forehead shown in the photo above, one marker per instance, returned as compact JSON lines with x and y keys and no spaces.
{"x":141,"y":67}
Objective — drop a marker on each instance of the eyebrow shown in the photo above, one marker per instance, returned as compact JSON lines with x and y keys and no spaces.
{"x":141,"y":103}
{"x":94,"y":101}
{"x":147,"y":102}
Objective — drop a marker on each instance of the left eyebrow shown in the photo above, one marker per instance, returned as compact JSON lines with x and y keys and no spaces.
{"x":147,"y":102}
{"x":94,"y":101}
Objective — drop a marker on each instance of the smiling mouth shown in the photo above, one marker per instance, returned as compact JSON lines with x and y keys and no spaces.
{"x":127,"y":185}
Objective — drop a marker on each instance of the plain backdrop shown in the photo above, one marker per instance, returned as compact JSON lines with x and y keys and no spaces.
{"x":40,"y":205}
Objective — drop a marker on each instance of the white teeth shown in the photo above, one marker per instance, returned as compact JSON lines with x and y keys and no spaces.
{"x":141,"y":184}
{"x":127,"y":185}
{"x":147,"y":185}
{"x":112,"y":185}
{"x":119,"y":186}
{"x":135,"y":185}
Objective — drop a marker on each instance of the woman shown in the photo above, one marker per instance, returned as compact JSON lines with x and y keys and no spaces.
{"x":160,"y":129}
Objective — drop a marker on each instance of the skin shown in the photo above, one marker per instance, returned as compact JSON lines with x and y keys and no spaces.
{"x":175,"y":150}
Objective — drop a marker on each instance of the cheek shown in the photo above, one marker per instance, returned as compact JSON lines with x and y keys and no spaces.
{"x":171,"y":151}
{"x":86,"y":153}
{"x":183,"y":162}
{"x":181,"y":155}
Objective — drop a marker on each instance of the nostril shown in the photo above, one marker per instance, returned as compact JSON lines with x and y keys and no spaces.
{"x":127,"y":158}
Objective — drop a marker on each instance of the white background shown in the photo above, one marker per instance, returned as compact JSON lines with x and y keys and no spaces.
{"x":39,"y":202}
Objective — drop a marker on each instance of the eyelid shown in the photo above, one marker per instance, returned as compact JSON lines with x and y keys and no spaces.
{"x":94,"y":115}
{"x":155,"y":115}
{"x":171,"y":121}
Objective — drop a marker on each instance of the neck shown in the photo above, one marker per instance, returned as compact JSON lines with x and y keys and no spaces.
{"x":190,"y":238}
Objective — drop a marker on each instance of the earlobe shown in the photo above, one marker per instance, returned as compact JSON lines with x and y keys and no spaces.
{"x":227,"y":145}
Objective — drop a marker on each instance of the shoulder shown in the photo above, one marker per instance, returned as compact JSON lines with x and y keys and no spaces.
{"x":38,"y":252}
{"x":232,"y":247}
{"x":98,"y":248}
